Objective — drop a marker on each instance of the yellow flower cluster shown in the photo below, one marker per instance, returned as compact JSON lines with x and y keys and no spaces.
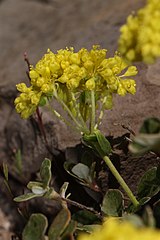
{"x":112,"y":229}
{"x":68,"y":71}
{"x":140,"y":36}
{"x":27,"y":102}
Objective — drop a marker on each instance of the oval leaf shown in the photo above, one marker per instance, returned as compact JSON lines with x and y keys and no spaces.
{"x":45,"y":172}
{"x":150,"y":125}
{"x":32,"y":184}
{"x":149,"y":184}
{"x":143,"y":143}
{"x":82,"y":171}
{"x":112,"y":204}
{"x":35,"y":228}
{"x":59,"y":224}
{"x":103,"y":142}
{"x":85,"y":217}
{"x":26,"y":197}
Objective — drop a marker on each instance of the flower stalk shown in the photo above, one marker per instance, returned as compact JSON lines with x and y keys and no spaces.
{"x":93,"y":111}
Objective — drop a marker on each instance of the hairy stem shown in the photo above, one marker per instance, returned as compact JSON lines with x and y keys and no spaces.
{"x":79,"y":114}
{"x":55,"y":196}
{"x":99,"y":121}
{"x":58,"y":115}
{"x":93,"y":111}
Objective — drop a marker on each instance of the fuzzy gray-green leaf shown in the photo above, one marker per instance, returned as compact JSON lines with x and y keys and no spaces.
{"x":113,"y":203}
{"x":26,"y":197}
{"x":82,"y":171}
{"x":59,"y":224}
{"x":35,"y":228}
{"x":45,"y":172}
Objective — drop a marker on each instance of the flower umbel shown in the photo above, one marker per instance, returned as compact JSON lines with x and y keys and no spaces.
{"x":115,"y":230}
{"x":140,"y":36}
{"x":83,"y":83}
{"x":77,"y":80}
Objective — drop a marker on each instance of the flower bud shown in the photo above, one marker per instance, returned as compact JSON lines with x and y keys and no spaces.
{"x":90,"y":84}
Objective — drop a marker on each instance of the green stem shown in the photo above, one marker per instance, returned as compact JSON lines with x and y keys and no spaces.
{"x":58,"y":115}
{"x":69,"y":113}
{"x":93,"y":111}
{"x":81,"y":127}
{"x":79,"y":114}
{"x":121,"y":181}
{"x":99,"y":121}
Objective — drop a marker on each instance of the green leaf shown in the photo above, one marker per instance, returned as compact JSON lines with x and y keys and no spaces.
{"x":97,"y":142}
{"x":5,"y":171}
{"x":112,"y":204}
{"x":90,"y":138}
{"x":148,"y":139}
{"x":143,"y":143}
{"x":36,"y":187}
{"x":149,"y":184}
{"x":82,"y":171}
{"x":85,"y":217}
{"x":87,"y":157}
{"x":63,"y":189}
{"x":45,"y":172}
{"x":26,"y":197}
{"x":35,"y":228}
{"x":68,"y":167}
{"x":103,"y":142}
{"x":150,"y":125}
{"x":88,"y":228}
{"x":32,"y":184}
{"x":59,"y":224}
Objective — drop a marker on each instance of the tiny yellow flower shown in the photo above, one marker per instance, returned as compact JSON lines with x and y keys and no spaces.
{"x":90,"y":84}
{"x":27,"y":102}
{"x":113,"y":229}
{"x":67,"y":73}
{"x":72,"y":83}
{"x":140,"y":36}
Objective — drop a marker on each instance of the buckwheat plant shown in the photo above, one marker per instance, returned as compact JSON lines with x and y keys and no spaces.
{"x":83,"y":83}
